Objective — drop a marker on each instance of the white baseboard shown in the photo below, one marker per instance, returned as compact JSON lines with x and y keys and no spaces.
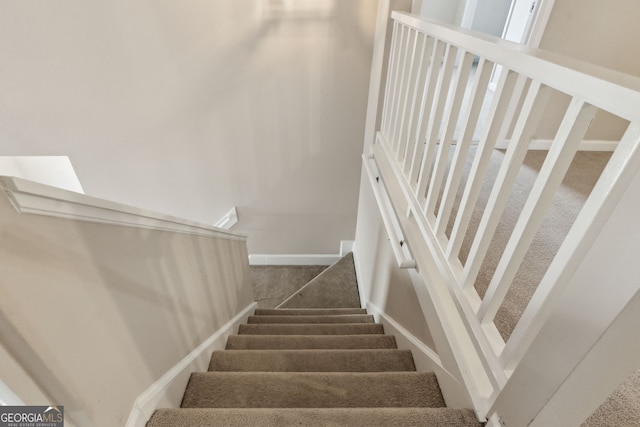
{"x":346,"y":246}
{"x":363,"y":297}
{"x":545,"y":144}
{"x":178,"y":375}
{"x":292,"y":259}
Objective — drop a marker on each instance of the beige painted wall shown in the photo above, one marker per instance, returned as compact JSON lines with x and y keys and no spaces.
{"x":603,"y":33}
{"x":193,"y":108}
{"x":97,"y":313}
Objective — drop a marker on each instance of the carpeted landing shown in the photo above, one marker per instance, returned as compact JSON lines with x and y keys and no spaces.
{"x":312,"y":367}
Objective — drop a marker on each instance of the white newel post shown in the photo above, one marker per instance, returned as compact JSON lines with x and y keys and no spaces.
{"x":590,"y":342}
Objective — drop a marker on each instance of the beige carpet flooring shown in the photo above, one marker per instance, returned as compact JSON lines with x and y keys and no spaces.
{"x":569,"y":199}
{"x":272,"y":284}
{"x":313,"y":366}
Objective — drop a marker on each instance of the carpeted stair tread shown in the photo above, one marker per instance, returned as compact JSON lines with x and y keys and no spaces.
{"x":307,"y":311}
{"x":314,"y":417}
{"x":312,"y":390}
{"x":311,"y":329}
{"x":312,"y":361}
{"x":295,"y":342}
{"x":342,"y":318}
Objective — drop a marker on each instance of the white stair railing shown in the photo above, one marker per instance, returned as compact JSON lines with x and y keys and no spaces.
{"x":436,"y":89}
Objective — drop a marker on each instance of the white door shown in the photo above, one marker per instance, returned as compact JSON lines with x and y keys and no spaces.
{"x":519,"y":21}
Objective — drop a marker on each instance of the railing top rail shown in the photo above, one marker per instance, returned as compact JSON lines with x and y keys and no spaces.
{"x":33,"y":197}
{"x":607,"y":89}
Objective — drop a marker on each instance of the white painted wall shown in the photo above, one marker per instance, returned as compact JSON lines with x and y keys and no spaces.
{"x":189,"y":109}
{"x":96,"y":313}
{"x":56,"y":171}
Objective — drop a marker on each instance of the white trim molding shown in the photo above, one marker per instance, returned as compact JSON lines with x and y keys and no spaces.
{"x":147,"y":402}
{"x":346,"y":246}
{"x":35,"y":198}
{"x":228,"y":220}
{"x":364,"y":297}
{"x":293,"y":259}
{"x":415,"y":342}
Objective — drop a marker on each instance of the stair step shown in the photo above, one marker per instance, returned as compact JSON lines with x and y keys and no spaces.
{"x":312,"y":390}
{"x":294,"y":342}
{"x":307,"y":311}
{"x":342,"y":318}
{"x":314,"y":417}
{"x":311,"y":329}
{"x":312,"y":361}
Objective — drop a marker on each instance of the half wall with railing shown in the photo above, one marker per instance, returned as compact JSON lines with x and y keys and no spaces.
{"x":107,"y":308}
{"x":448,"y":152}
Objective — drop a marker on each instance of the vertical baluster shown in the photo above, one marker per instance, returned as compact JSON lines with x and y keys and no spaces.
{"x":428,"y":103}
{"x":502,"y":99}
{"x":404,"y":81}
{"x":451,"y":119}
{"x":415,"y":108}
{"x":425,"y":72}
{"x":534,"y":106}
{"x":390,"y":80}
{"x":565,"y":144}
{"x":435,"y":121}
{"x":408,"y":95}
{"x":400,"y":53}
{"x":470,"y":120}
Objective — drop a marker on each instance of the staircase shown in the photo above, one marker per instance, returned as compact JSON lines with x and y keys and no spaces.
{"x":312,"y":367}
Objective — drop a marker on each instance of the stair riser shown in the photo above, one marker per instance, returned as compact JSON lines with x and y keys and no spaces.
{"x":352,"y":318}
{"x":353,"y":417}
{"x":312,"y":361}
{"x":312,"y":390}
{"x":308,"y":311}
{"x":299,"y":342}
{"x":305,"y":329}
